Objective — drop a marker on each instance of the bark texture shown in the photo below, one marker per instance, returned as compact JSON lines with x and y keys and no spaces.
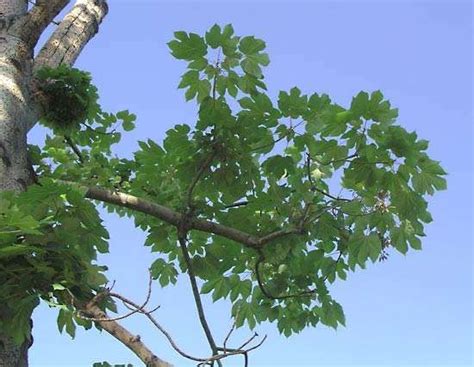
{"x":15,"y":66}
{"x":133,"y":342}
{"x":11,"y":354}
{"x":20,"y":107}
{"x":15,"y":72}
{"x":72,"y":34}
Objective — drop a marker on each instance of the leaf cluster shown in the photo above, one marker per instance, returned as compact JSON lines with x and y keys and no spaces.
{"x":49,"y":239}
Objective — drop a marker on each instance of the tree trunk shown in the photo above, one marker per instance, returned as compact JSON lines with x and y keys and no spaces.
{"x":12,"y":354}
{"x":21,"y":103}
{"x":15,"y":74}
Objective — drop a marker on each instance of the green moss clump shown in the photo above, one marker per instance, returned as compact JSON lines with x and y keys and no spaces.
{"x":71,"y":96}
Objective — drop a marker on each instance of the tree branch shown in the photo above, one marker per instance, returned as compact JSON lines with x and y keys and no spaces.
{"x":233,"y":352}
{"x":278,"y":234}
{"x":267,"y":294}
{"x":196,"y":294}
{"x":72,"y":34}
{"x":174,"y":218}
{"x":75,"y":149}
{"x":65,"y":45}
{"x":136,"y":307}
{"x":169,"y":216}
{"x":313,"y":185}
{"x":131,"y":341}
{"x":139,"y":309}
{"x":204,"y":166}
{"x":39,"y":17}
{"x":227,"y":352}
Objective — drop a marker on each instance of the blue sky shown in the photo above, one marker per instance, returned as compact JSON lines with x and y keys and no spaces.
{"x":409,"y":311}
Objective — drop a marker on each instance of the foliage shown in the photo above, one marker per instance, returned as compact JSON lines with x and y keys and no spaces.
{"x":49,"y":238}
{"x":262,"y":165}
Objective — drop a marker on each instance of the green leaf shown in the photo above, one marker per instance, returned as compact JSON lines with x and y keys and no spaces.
{"x":189,"y":79}
{"x":251,"y":64}
{"x":429,"y":178}
{"x":278,"y":166}
{"x":214,"y":36}
{"x":399,"y":240}
{"x":198,"y":64}
{"x":221,"y":289}
{"x":339,"y":313}
{"x":250,"y":45}
{"x":187,"y":46}
{"x":209,"y":286}
{"x":164,"y":271}
{"x":360,"y":104}
{"x":374,"y":246}
{"x":329,"y":315}
{"x":293,"y":104}
{"x":17,"y":250}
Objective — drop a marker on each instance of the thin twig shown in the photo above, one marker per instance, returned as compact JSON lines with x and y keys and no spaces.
{"x":247,"y":342}
{"x":258,"y":345}
{"x":132,"y":311}
{"x":237,"y":204}
{"x":228,"y":335}
{"x":261,"y":259}
{"x":159,"y":327}
{"x":204,"y":166}
{"x":214,"y":81}
{"x":183,"y":229}
{"x":335,"y":160}
{"x":266,"y":293}
{"x":313,"y":185}
{"x":90,"y":128}
{"x":139,"y":309}
{"x":235,"y":352}
{"x":74,"y":148}
{"x":335,"y":265}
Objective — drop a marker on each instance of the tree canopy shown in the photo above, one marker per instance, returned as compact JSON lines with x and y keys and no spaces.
{"x":264,"y":202}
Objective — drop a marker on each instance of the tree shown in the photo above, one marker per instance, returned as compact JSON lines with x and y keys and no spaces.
{"x":233,"y":197}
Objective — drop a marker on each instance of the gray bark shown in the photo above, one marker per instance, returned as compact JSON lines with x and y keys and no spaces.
{"x":15,"y":69}
{"x":20,"y":104}
{"x":15,"y":76}
{"x":11,"y":354}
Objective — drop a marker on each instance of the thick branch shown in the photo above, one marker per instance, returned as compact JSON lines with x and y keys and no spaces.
{"x":72,"y":34}
{"x":65,"y":45}
{"x":174,"y":218}
{"x":39,"y":17}
{"x":125,"y":337}
{"x":168,"y":215}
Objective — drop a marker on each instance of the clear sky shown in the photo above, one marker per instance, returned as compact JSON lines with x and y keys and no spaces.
{"x":409,"y":311}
